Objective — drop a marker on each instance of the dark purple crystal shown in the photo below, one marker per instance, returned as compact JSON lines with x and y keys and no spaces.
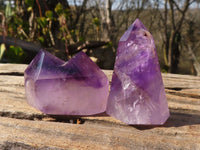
{"x":137,"y":93}
{"x":76,"y":87}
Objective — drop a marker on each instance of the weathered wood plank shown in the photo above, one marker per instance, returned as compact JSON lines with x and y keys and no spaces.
{"x":41,"y":134}
{"x":181,"y":81}
{"x":170,"y":80}
{"x":12,"y":68}
{"x":22,"y":126}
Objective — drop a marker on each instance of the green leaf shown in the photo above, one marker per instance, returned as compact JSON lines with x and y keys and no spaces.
{"x":66,"y":13}
{"x":96,"y":22}
{"x":42,"y":21}
{"x":29,"y":9}
{"x":163,"y":71}
{"x":15,"y":54}
{"x":49,"y":14}
{"x":59,"y":9}
{"x":2,"y":50}
{"x":41,"y":39}
{"x":29,"y":2}
{"x":8,"y":11}
{"x":81,"y":39}
{"x":109,"y":44}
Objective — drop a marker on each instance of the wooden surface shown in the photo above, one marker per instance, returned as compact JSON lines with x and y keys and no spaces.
{"x":23,"y":127}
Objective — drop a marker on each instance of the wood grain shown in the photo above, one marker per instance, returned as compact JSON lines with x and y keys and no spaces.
{"x":174,"y":81}
{"x":23,"y":127}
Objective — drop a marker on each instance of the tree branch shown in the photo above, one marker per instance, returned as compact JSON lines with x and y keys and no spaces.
{"x":172,"y":13}
{"x":38,"y":4}
{"x":75,"y":48}
{"x":180,"y":22}
{"x":174,"y":2}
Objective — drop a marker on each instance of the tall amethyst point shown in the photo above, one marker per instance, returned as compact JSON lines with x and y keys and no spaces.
{"x":137,"y":93}
{"x":76,"y":87}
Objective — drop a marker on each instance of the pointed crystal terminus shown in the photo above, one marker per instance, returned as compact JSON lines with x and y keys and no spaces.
{"x":76,"y":87}
{"x":137,"y":93}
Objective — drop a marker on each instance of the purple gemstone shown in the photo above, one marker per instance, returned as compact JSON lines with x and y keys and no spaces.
{"x":137,"y":93}
{"x":76,"y":87}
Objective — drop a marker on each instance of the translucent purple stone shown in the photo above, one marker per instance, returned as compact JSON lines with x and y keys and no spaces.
{"x":76,"y":87}
{"x":137,"y":93}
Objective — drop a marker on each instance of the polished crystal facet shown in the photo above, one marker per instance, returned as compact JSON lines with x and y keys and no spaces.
{"x":137,"y":93}
{"x":76,"y":87}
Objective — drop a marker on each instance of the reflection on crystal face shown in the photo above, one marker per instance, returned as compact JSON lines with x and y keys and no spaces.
{"x":77,"y":87}
{"x":137,"y":93}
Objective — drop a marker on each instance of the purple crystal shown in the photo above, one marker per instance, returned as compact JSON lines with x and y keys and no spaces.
{"x":137,"y":93}
{"x":76,"y":87}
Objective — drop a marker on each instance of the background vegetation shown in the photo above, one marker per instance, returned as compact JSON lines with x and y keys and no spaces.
{"x":65,"y":27}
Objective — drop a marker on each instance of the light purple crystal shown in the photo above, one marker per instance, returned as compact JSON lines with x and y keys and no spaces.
{"x":137,"y":93}
{"x":76,"y":87}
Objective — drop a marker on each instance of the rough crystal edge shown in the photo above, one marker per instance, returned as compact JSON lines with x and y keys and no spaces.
{"x":81,"y":54}
{"x":137,"y":24}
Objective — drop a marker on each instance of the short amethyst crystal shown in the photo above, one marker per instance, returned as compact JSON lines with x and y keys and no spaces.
{"x":137,"y":93}
{"x":76,"y":87}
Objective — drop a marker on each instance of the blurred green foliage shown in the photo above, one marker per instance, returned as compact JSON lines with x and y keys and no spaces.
{"x":33,"y":21}
{"x":96,"y":22}
{"x":8,"y":11}
{"x":36,"y":27}
{"x":110,"y":44}
{"x":59,"y":9}
{"x":30,"y":3}
{"x":15,"y":54}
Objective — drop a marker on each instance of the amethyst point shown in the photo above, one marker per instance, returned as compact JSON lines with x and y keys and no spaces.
{"x":137,"y":93}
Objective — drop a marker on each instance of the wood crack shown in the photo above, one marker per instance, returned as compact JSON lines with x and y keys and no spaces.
{"x":12,"y":73}
{"x":22,"y":146}
{"x":177,"y":93}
